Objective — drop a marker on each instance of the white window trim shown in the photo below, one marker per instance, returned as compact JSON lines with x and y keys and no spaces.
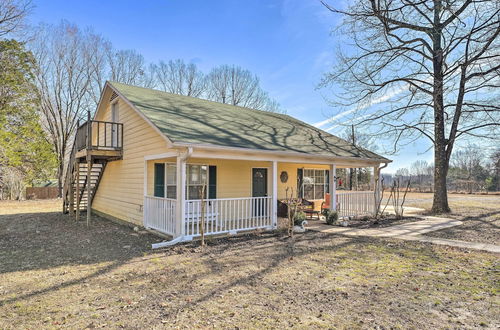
{"x":187,"y":180}
{"x":196,"y":185}
{"x":166,"y":184}
{"x":325,"y":183}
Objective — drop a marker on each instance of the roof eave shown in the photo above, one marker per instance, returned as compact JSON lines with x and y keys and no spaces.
{"x":281,"y":153}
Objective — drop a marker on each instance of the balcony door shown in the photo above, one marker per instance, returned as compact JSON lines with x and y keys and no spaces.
{"x":114,"y":128}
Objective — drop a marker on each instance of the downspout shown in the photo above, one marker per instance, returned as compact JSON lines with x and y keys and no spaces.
{"x":189,"y":152}
{"x":381,"y":168}
{"x":182,"y":238}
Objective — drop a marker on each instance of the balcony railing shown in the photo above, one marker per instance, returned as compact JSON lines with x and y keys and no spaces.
{"x":104,"y":135}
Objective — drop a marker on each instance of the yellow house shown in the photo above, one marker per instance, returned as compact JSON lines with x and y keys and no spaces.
{"x":149,"y":156}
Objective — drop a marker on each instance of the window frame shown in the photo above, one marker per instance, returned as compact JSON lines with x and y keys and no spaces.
{"x":166,"y":184}
{"x":314,"y":184}
{"x":186,"y":193}
{"x":188,"y":185}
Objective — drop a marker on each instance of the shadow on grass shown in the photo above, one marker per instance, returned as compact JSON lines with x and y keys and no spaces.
{"x":45,"y":240}
{"x":284,"y":249}
{"x":33,"y":241}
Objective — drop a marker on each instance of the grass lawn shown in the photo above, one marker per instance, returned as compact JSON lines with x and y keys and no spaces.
{"x":58,"y":273}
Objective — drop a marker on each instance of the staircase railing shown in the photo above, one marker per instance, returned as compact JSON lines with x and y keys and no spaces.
{"x":68,"y":181}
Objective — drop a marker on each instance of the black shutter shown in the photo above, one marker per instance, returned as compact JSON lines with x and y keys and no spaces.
{"x":327,"y":178}
{"x":300,"y":179}
{"x":159,"y":183}
{"x":212,"y":182}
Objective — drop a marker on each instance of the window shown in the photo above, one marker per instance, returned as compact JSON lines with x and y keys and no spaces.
{"x":196,"y":178}
{"x":314,"y":184}
{"x":171,"y":183}
{"x":159,"y":180}
{"x":165,"y":180}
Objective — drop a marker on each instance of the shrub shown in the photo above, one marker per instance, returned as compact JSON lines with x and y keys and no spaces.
{"x":324,"y":212}
{"x":298,"y":217}
{"x":332,"y":217}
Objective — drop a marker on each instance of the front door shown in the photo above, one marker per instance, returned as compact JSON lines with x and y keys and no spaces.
{"x":259,"y":189}
{"x":259,"y":182}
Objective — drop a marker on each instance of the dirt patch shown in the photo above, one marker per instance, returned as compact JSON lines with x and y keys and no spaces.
{"x":58,"y":273}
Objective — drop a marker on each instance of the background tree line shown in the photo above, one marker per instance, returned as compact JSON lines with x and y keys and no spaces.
{"x":53,"y":74}
{"x":470,"y":171}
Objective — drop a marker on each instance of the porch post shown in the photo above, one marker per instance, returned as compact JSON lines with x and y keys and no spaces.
{"x":145,"y":193}
{"x":376,"y":175}
{"x":181,"y":196}
{"x":372,"y":179}
{"x":274,"y":198}
{"x":145,"y":177}
{"x":333,"y":187}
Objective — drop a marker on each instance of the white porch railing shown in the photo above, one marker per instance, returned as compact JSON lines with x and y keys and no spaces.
{"x":356,"y":203}
{"x":228,"y":215}
{"x":222,"y":215}
{"x":160,"y":214}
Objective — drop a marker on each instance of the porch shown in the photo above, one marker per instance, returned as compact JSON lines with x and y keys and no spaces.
{"x":238,"y":194}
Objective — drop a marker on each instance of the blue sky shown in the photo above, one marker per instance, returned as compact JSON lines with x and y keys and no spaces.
{"x":286,"y":43}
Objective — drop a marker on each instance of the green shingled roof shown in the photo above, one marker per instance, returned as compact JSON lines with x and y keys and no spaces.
{"x":185,"y":119}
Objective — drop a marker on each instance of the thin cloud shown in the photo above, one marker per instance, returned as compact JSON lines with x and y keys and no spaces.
{"x":357,"y":118}
{"x":390,"y":94}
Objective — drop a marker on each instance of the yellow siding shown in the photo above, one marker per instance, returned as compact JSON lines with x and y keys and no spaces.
{"x":234,"y":177}
{"x":291,"y":170}
{"x":120,"y":192}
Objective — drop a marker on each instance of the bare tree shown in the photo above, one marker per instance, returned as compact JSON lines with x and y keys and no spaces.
{"x":175,"y":76}
{"x":13,"y":14}
{"x":97,"y":55}
{"x":360,"y":140}
{"x":419,"y":170}
{"x":237,"y":86}
{"x":128,"y":67}
{"x":469,"y":168}
{"x":63,"y":80}
{"x":438,"y":60}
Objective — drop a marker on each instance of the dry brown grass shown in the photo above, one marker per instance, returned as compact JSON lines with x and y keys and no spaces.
{"x":480,"y":215}
{"x":57,"y":273}
{"x":32,"y":206}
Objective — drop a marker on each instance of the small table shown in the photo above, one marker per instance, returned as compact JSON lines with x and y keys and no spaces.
{"x":311,"y":213}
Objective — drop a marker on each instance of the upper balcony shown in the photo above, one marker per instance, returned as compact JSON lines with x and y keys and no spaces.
{"x":100,"y":139}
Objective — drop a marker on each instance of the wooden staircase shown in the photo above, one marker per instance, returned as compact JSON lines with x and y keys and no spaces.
{"x":81,"y":184}
{"x":96,"y":144}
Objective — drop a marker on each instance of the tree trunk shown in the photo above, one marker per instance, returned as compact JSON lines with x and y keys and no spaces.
{"x":440,"y":202}
{"x":60,"y":179}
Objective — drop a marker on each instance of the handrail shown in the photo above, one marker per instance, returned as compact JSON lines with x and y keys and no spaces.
{"x":69,"y":172}
{"x":99,"y":134}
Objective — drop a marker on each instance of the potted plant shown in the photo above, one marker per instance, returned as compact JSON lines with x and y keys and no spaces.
{"x":332,"y":217}
{"x":299,"y":220}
